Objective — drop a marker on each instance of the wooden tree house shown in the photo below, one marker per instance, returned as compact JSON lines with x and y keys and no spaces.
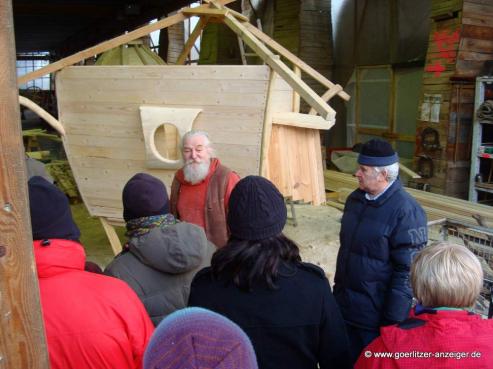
{"x":116,"y":121}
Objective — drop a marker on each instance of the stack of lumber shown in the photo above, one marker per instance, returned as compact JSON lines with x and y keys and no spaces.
{"x":61,"y":173}
{"x":38,"y":132}
{"x":436,"y":206}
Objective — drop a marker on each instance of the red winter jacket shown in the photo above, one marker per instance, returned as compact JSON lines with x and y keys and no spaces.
{"x":444,"y":339}
{"x":91,"y":320}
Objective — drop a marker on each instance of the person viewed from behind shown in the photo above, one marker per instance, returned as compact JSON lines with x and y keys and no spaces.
{"x":381,"y":229}
{"x":91,"y":320}
{"x":200,"y":190}
{"x":259,"y":281}
{"x":161,"y":255}
{"x":446,"y":280}
{"x":195,"y":338}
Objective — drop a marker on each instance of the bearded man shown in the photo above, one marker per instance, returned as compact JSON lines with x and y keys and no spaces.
{"x":200,"y":190}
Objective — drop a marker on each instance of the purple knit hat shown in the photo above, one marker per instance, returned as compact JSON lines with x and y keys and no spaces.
{"x":143,"y":196}
{"x":196,"y":338}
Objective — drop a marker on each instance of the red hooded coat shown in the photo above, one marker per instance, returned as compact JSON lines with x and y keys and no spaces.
{"x":444,"y":339}
{"x":91,"y":320}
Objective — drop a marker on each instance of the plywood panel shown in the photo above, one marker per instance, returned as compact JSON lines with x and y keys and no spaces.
{"x":99,"y":108}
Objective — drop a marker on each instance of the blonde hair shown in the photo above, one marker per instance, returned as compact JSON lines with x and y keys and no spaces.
{"x":446,"y":274}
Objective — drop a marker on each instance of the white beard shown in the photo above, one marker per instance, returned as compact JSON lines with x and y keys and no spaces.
{"x":195,"y":172}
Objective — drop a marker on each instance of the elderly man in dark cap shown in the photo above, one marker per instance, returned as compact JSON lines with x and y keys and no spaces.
{"x":382,"y":228}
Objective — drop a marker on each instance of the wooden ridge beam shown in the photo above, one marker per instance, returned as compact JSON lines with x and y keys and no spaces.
{"x":296,"y":61}
{"x":208,"y":12}
{"x":110,"y":44}
{"x":214,"y":12}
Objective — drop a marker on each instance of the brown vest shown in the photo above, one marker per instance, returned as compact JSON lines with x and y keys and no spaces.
{"x":216,"y":228}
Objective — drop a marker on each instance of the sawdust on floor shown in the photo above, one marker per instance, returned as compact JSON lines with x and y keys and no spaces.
{"x":317,"y":235}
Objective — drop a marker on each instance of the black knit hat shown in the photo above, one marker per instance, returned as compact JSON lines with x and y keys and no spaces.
{"x":143,"y":196}
{"x":50,"y":212}
{"x":256,"y":209}
{"x":377,"y":153}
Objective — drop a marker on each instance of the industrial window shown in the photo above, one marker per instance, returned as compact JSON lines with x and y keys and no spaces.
{"x":384,"y":104}
{"x":29,"y":62}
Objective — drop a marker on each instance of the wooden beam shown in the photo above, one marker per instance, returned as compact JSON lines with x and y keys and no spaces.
{"x":212,"y":12}
{"x":302,"y":120}
{"x":215,"y":4}
{"x":267,"y":128}
{"x":295,"y":60}
{"x":204,"y":12}
{"x":436,"y":206}
{"x":115,"y":243}
{"x":107,"y":45}
{"x":22,"y":337}
{"x":50,"y":119}
{"x":282,"y":69}
{"x":408,"y":171}
{"x":329,"y":94}
{"x":296,"y":96}
{"x":191,"y":40}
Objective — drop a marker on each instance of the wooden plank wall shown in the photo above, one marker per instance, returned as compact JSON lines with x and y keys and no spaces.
{"x":461,"y":39}
{"x":295,"y":154}
{"x":316,"y":41}
{"x":99,"y":108}
{"x":476,"y":44}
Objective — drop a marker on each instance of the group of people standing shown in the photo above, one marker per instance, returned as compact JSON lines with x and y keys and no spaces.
{"x":210,"y":268}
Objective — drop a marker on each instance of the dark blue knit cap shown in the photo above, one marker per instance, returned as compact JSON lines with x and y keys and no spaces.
{"x":377,"y":153}
{"x":144,"y":196}
{"x":256,"y":209}
{"x":50,"y":212}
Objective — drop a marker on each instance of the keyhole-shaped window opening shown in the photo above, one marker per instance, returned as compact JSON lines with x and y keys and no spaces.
{"x":167,"y":141}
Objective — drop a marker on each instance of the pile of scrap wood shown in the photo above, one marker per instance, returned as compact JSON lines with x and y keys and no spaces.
{"x":436,"y":206}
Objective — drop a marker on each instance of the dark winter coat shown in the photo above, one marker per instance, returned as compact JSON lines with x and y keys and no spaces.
{"x":160,"y":265}
{"x":293,"y":327}
{"x":378,"y":241}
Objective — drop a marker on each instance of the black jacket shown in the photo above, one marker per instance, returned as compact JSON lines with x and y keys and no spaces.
{"x":160,"y":265}
{"x":378,"y":241}
{"x":293,"y":327}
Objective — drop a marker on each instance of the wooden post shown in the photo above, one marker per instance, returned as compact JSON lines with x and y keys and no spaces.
{"x":22,"y":338}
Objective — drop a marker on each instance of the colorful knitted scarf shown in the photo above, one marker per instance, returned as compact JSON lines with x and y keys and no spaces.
{"x":141,"y":226}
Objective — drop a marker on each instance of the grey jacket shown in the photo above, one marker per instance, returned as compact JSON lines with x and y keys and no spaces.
{"x":160,"y":265}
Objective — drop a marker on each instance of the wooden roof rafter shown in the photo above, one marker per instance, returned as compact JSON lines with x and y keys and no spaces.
{"x":214,"y":10}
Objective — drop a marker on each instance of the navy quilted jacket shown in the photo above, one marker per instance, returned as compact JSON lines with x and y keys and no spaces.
{"x":378,"y":241}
